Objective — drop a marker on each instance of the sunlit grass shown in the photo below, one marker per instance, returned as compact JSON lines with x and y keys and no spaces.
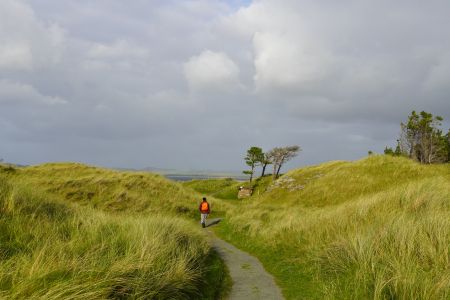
{"x":134,"y":247}
{"x":226,"y":189}
{"x":377,"y":228}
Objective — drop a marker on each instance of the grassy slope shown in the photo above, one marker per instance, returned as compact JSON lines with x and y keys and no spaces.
{"x":375,"y":228}
{"x":108,"y":189}
{"x":226,"y":189}
{"x":52,"y":248}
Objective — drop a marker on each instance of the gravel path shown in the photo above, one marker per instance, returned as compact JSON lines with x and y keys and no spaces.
{"x":250,"y":280}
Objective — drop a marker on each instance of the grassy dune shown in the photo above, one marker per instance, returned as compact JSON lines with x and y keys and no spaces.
{"x":108,"y":189}
{"x":376,"y":228}
{"x":226,"y":189}
{"x":52,"y":246}
{"x":112,"y":191}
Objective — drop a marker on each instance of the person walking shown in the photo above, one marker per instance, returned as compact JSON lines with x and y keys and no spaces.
{"x":204,"y":211}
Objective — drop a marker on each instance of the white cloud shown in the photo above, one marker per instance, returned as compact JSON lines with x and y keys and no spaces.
{"x":284,"y":61}
{"x":15,"y":93}
{"x":25,"y":42}
{"x":341,"y":62}
{"x":15,"y":56}
{"x":120,"y":49}
{"x":211,"y":70}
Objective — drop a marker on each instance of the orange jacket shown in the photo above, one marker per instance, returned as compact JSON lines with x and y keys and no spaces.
{"x":204,"y":207}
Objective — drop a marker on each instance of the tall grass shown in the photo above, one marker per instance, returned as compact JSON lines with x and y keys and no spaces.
{"x":109,"y":190}
{"x":378,"y":228}
{"x":51,"y":249}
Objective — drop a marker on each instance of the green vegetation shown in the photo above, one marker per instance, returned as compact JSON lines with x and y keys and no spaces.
{"x":376,"y":228}
{"x":107,"y":189}
{"x":422,"y":139}
{"x":55,"y":243}
{"x":226,"y":188}
{"x":277,"y":157}
{"x":254,"y":157}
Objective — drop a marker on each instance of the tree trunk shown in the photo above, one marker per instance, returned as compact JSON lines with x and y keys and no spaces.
{"x":430,"y":155}
{"x":278,"y":171}
{"x":274,"y":174}
{"x":263,"y":170}
{"x":251,"y":175}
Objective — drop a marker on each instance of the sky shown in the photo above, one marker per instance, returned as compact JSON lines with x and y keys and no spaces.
{"x":194,"y":84}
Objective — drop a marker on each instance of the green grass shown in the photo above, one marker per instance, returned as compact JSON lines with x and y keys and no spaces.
{"x":67,"y":231}
{"x":259,"y":185}
{"x":376,"y":228}
{"x":225,"y":189}
{"x":107,"y":189}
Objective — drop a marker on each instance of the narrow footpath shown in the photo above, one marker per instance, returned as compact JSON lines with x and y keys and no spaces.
{"x":250,"y":280}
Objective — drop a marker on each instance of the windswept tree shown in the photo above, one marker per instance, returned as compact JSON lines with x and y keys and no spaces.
{"x":422,"y":139}
{"x":280,"y":155}
{"x":254,"y":156}
{"x":265,"y":161}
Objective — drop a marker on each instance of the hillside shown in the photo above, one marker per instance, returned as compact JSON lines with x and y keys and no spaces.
{"x":375,"y":228}
{"x":77,"y":232}
{"x":108,"y":189}
{"x":226,"y":188}
{"x":218,"y":188}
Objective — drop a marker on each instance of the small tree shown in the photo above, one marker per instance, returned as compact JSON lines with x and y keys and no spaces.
{"x":421,"y":138}
{"x":398,"y":149}
{"x":265,"y":161}
{"x":388,"y":151}
{"x":253,"y":158}
{"x":280,"y":155}
{"x":247,"y":172}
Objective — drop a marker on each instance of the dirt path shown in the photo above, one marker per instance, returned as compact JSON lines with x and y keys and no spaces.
{"x":250,"y":280}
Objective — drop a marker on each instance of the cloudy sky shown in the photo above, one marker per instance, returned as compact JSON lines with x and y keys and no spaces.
{"x":193,"y":84}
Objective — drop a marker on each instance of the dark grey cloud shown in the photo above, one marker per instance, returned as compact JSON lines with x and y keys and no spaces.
{"x":193,"y":84}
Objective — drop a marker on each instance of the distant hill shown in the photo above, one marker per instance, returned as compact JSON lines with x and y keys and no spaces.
{"x":185,"y":175}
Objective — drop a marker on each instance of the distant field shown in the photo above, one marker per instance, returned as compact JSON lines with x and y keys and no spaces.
{"x":181,"y":177}
{"x":378,"y":228}
{"x":225,"y":189}
{"x":70,"y":231}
